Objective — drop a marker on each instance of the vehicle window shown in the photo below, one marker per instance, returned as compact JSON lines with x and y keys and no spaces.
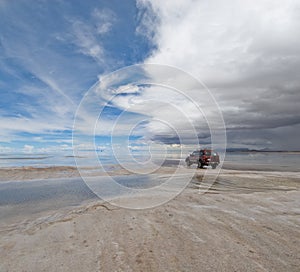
{"x":196,"y":153}
{"x":208,"y":153}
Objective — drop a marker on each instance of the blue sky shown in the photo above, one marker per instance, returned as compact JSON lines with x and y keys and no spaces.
{"x":53,"y":52}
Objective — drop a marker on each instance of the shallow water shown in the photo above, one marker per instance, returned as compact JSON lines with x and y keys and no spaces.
{"x":21,"y":200}
{"x":268,"y":161}
{"x":25,"y":198}
{"x":233,"y":160}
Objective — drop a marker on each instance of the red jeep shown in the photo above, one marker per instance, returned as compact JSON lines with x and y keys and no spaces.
{"x":203,"y":157}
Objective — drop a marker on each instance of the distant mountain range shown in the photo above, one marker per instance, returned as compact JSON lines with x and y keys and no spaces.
{"x":256,"y":150}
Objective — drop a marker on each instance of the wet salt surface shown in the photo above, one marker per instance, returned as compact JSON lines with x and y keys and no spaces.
{"x":263,"y":161}
{"x":14,"y":193}
{"x":283,"y":161}
{"x":50,"y":194}
{"x":23,"y":198}
{"x":20,"y":192}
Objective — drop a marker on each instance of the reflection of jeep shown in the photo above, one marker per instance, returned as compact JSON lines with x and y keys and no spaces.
{"x":203,"y":157}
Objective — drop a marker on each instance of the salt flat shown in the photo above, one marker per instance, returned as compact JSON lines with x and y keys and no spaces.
{"x":247,"y":221}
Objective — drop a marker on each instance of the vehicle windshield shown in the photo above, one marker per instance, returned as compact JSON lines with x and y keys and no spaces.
{"x":205,"y":152}
{"x":196,"y":153}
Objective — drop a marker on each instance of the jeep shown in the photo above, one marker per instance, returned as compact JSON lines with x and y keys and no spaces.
{"x":203,"y":157}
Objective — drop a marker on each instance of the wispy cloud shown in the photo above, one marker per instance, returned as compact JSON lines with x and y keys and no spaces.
{"x":88,"y":35}
{"x":46,"y":80}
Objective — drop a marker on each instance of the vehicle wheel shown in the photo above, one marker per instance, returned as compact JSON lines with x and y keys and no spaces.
{"x":188,"y":163}
{"x":200,"y":165}
{"x":214,"y":166}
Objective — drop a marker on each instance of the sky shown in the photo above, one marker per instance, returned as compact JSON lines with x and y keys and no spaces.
{"x":58,"y":61}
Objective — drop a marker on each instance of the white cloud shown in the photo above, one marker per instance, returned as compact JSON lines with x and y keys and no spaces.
{"x":28,"y":148}
{"x":218,"y":40}
{"x":6,"y":149}
{"x":157,"y":113}
{"x":248,"y":53}
{"x":126,"y":89}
